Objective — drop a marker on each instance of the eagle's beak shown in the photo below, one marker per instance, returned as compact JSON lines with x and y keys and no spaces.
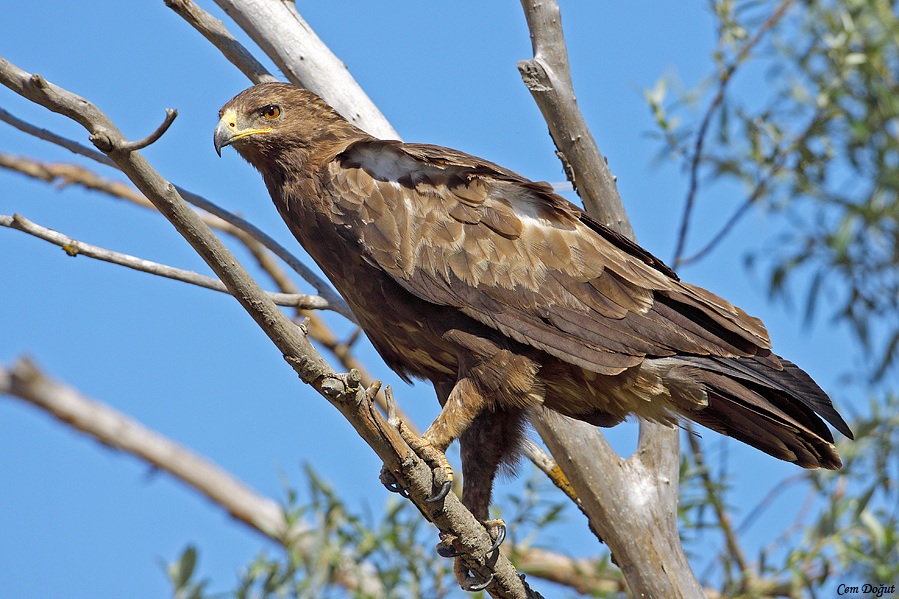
{"x":224,"y":135}
{"x":228,"y":131}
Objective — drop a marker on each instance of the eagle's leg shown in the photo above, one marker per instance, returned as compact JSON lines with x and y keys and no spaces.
{"x":492,"y":440}
{"x":461,"y":405}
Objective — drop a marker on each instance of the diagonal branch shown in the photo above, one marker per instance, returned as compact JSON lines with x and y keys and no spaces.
{"x":343,"y":391}
{"x":68,"y":174}
{"x":632,"y":503}
{"x":323,"y":288}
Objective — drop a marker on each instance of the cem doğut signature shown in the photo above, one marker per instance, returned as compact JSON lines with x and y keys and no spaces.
{"x":878,"y":590}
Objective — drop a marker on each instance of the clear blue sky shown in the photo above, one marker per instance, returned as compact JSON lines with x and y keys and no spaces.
{"x":80,"y":520}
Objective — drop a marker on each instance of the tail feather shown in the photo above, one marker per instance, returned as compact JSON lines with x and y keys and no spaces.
{"x":773,"y":410}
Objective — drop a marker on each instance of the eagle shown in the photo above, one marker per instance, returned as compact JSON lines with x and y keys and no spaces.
{"x":510,"y":299}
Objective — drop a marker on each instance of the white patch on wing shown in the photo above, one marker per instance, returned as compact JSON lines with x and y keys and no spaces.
{"x":390,"y":165}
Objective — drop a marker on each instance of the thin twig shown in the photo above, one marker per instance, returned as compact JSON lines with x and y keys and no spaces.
{"x":139,"y":144}
{"x":777,"y":165}
{"x":74,"y":248}
{"x":724,"y":520}
{"x":723,"y":81}
{"x":63,"y":142}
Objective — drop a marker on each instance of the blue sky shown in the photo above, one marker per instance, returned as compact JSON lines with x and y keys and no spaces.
{"x":80,"y":520}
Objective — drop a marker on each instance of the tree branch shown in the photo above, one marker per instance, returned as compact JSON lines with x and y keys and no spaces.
{"x":140,"y":144}
{"x":216,"y":32}
{"x":67,"y":174}
{"x":725,"y":78}
{"x":343,"y":391}
{"x":72,"y":146}
{"x":74,"y":248}
{"x":337,"y":303}
{"x":631,"y":503}
{"x":116,"y":430}
{"x":548,"y":77}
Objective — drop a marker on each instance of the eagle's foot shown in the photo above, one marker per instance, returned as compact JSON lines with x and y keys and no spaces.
{"x":434,"y":457}
{"x":445,"y":547}
{"x":391,"y":483}
{"x":495,"y":528}
{"x":497,"y":531}
{"x":467,"y":581}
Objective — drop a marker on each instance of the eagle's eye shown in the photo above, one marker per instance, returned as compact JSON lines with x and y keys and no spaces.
{"x":271,"y":112}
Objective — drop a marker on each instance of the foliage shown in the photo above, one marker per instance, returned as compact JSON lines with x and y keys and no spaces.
{"x":821,"y":148}
{"x":394,"y":544}
{"x":820,"y":152}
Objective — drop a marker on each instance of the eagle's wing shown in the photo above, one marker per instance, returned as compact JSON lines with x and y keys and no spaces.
{"x":458,"y":231}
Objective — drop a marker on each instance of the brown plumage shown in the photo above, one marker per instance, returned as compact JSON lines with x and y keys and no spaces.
{"x":507,"y":297}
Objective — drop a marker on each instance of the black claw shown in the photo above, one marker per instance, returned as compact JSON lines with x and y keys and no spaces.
{"x":391,"y":484}
{"x":500,"y":537}
{"x":474,"y":588}
{"x":444,"y":491}
{"x":446,"y":550}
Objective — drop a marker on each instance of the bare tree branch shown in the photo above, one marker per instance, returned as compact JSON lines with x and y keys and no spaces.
{"x":548,"y":77}
{"x":632,"y":504}
{"x":73,"y":248}
{"x":116,"y":430}
{"x":216,"y":32}
{"x":342,"y":391}
{"x":67,"y":174}
{"x":25,"y":381}
{"x":140,"y":144}
{"x":72,"y":146}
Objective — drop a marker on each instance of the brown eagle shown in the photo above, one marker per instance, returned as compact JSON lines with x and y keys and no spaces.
{"x":507,"y":297}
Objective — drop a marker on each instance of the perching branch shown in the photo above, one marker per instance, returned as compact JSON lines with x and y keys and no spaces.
{"x":25,"y":381}
{"x":74,"y":248}
{"x":343,"y":391}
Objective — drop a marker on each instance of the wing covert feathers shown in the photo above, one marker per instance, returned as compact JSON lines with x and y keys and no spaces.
{"x":461,"y":232}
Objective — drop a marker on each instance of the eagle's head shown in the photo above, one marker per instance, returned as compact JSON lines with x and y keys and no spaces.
{"x":267,"y":121}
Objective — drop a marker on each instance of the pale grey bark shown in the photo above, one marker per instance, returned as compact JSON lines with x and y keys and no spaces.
{"x":632,"y":503}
